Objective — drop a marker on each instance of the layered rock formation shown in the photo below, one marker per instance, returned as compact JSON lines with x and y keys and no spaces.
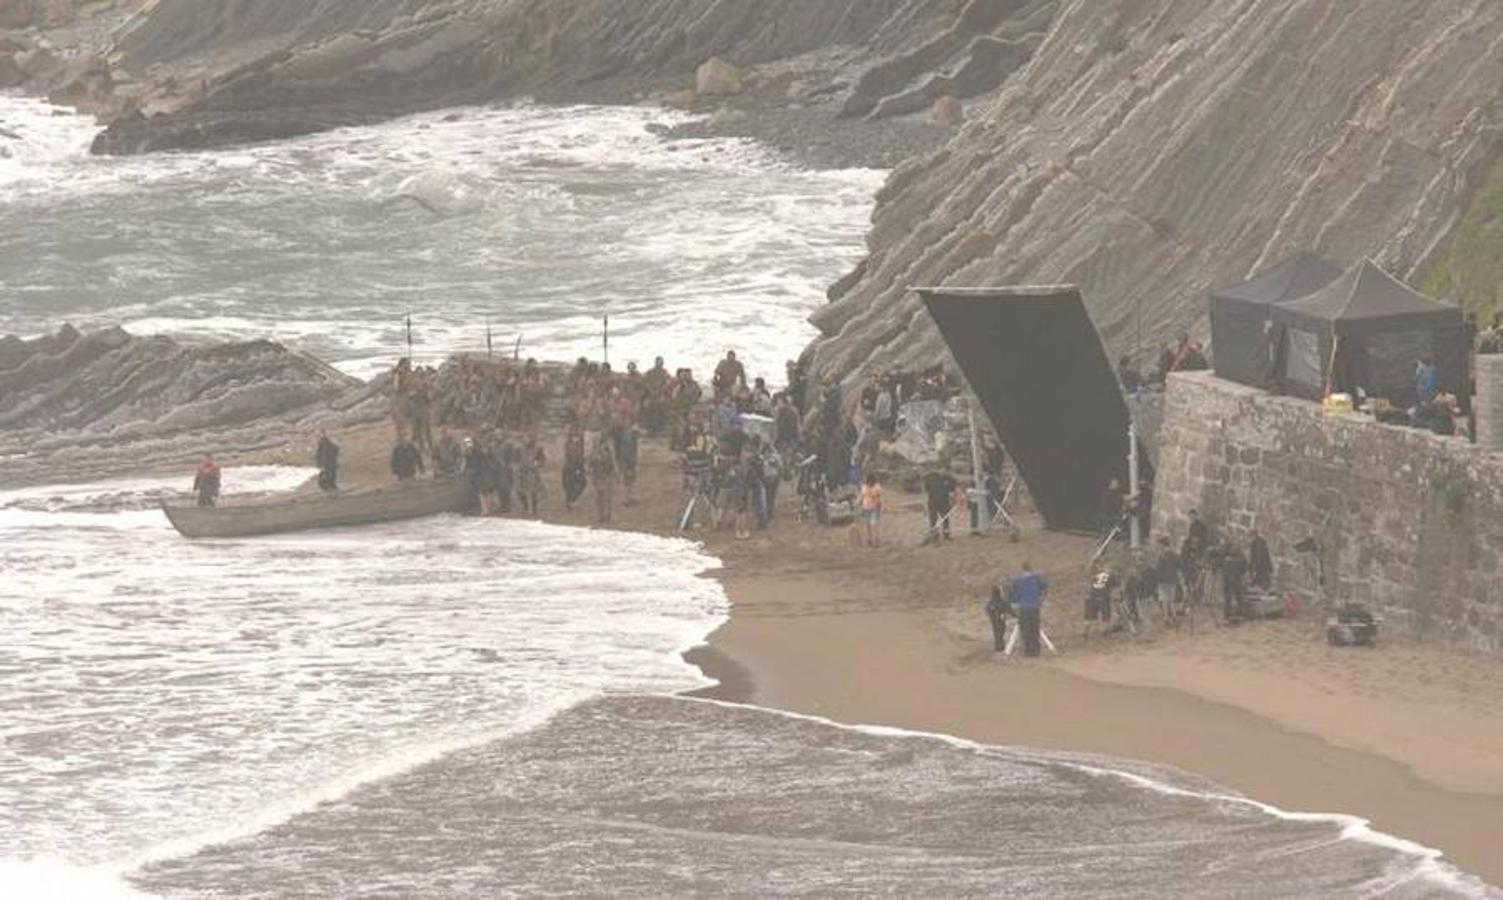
{"x":1153,"y":148}
{"x":76,"y":405}
{"x":223,"y":71}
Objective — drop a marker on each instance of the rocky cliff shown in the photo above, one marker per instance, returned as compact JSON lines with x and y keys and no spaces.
{"x":76,"y":405}
{"x":1152,"y":148}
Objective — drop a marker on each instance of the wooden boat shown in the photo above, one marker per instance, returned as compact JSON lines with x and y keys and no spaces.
{"x":408,"y":500}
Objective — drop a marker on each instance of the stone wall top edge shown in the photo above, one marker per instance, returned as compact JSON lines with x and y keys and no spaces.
{"x":1203,"y":387}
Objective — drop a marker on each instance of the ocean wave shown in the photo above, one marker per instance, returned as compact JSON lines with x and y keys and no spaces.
{"x":535,"y":223}
{"x":652,"y":795}
{"x":164,"y":695}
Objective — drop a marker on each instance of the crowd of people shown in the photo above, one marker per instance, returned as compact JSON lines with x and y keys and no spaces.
{"x":489,"y":416}
{"x":739,"y":440}
{"x":480,"y":419}
{"x":1168,"y":582}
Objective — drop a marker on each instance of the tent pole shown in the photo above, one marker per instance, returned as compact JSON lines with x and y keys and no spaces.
{"x":978,"y":477}
{"x":1331,"y":363}
{"x":1134,"y":521}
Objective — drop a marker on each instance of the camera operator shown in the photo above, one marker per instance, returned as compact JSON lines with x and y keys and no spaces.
{"x":1113,"y":509}
{"x":813,"y":489}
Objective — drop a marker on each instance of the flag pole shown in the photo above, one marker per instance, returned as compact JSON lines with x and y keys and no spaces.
{"x":605,"y":340}
{"x":487,"y":337}
{"x":409,"y":338}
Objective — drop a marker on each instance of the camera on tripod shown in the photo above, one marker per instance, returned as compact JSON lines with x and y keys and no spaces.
{"x":698,"y":470}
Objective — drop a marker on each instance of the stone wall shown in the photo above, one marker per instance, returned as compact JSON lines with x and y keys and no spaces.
{"x":1407,"y":522}
{"x":1489,"y":400}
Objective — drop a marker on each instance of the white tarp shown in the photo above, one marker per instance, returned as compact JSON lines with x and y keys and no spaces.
{"x":920,"y":430}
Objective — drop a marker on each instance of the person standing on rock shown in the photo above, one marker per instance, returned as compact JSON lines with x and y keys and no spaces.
{"x":603,"y":479}
{"x":206,"y":481}
{"x":728,"y":374}
{"x":327,"y":458}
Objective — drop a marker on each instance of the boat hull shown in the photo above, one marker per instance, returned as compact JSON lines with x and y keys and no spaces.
{"x":408,"y":500}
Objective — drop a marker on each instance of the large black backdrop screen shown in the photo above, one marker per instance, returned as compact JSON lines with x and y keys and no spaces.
{"x":1035,"y":361}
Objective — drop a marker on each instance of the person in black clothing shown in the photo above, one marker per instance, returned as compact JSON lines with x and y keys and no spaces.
{"x":1197,"y":539}
{"x":1166,"y":575}
{"x":1137,"y":587}
{"x":996,"y":613}
{"x":939,"y":493}
{"x":406,"y":461}
{"x":1113,"y":505}
{"x":1234,"y":583}
{"x":327,"y":458}
{"x":787,"y":420}
{"x":993,"y":458}
{"x":448,"y":458}
{"x":730,"y":444}
{"x":1260,"y":561}
{"x":206,"y":482}
{"x":1132,"y":382}
{"x":480,"y":466}
{"x":869,"y":396}
{"x":575,"y":479}
{"x":1098,"y":603}
{"x":504,"y":459}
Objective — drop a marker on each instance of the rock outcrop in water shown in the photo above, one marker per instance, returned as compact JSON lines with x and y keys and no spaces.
{"x":222,"y":71}
{"x":76,"y":405}
{"x":1154,"y":148}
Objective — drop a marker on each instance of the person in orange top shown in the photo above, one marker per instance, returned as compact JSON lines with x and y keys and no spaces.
{"x":869,"y":501}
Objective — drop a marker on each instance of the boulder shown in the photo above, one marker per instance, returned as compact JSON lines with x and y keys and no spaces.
{"x":717,"y":78}
{"x":39,"y":63}
{"x":725,"y":116}
{"x":948,"y":111}
{"x":15,"y":13}
{"x":684,"y":99}
{"x":85,"y":85}
{"x":11,"y":74}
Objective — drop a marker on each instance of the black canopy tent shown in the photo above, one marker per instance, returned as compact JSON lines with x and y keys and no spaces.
{"x":1367,"y":330}
{"x":1035,"y":361}
{"x":1240,"y":331}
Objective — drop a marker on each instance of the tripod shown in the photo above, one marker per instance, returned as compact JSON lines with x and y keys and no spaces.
{"x":698,"y":487}
{"x":1112,"y":535}
{"x":1017,"y":633}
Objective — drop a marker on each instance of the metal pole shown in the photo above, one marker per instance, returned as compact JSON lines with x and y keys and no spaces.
{"x":605,"y":340}
{"x":487,"y":338}
{"x":409,"y":338}
{"x":983,"y":500}
{"x":1135,"y":520}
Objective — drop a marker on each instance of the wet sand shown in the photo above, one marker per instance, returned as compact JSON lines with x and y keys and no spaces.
{"x":1407,"y":735}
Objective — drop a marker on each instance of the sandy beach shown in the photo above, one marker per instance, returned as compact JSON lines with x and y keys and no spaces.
{"x":1406,"y":735}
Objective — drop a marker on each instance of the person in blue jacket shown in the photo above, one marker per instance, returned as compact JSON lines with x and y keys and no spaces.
{"x":1028,"y":592}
